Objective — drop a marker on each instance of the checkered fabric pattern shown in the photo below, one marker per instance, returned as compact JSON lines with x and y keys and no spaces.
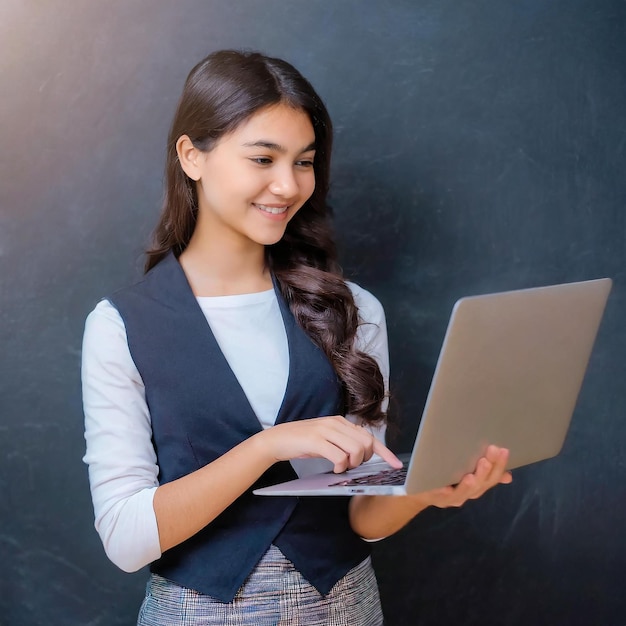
{"x":275,"y":594}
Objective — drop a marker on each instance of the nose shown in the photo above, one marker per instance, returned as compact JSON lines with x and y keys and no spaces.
{"x":284,"y":183}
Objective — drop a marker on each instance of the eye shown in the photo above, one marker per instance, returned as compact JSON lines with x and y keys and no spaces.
{"x":306,"y":163}
{"x":261,"y":160}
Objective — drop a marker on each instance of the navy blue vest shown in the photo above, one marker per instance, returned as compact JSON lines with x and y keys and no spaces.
{"x":199,"y":411}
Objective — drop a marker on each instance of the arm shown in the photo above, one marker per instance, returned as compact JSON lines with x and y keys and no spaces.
{"x":373,"y":517}
{"x":122,"y":463}
{"x":136,"y":518}
{"x":188,"y":504}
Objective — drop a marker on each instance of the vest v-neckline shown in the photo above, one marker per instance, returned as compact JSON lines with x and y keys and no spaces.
{"x":189,"y":299}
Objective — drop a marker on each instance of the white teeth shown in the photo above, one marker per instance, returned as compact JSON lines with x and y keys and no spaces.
{"x":271,"y":209}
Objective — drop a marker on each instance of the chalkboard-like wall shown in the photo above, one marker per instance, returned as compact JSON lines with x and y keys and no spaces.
{"x":480,"y":146}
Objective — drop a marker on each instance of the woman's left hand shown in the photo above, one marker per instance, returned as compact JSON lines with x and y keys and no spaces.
{"x":374,"y":517}
{"x":490,"y":471}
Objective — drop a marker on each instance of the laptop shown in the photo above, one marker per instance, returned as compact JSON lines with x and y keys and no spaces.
{"x":509,"y":373}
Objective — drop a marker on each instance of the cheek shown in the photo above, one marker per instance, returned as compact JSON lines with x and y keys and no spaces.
{"x":309,"y":187}
{"x":206,"y":193}
{"x":211,"y":197}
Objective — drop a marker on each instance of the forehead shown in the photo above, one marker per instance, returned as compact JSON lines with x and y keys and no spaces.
{"x":280,"y":123}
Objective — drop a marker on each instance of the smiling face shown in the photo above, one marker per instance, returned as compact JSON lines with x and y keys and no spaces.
{"x":255,"y":179}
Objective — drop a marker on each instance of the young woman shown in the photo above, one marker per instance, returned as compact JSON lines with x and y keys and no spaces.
{"x":240,"y":353}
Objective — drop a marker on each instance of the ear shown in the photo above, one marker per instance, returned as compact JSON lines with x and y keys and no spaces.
{"x":189,"y":157}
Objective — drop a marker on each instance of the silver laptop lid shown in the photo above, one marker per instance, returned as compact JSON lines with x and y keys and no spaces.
{"x":509,"y":373}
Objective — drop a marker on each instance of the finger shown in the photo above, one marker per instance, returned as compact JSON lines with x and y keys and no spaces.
{"x":386,"y":454}
{"x":468,"y":488}
{"x":483,"y":470}
{"x":507,"y":478}
{"x":353,"y":445}
{"x":492,"y":453}
{"x":368,"y":443}
{"x":486,"y":476}
{"x":355,"y":439}
{"x":453,"y":495}
{"x":490,"y":471}
{"x":499,"y":457}
{"x":327,"y":439}
{"x":347,"y":432}
{"x":336,"y":455}
{"x":442,"y":498}
{"x":364,"y":437}
{"x":356,"y":442}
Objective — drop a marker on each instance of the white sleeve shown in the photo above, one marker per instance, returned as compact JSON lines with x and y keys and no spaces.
{"x":122,"y":462}
{"x":371,"y":338}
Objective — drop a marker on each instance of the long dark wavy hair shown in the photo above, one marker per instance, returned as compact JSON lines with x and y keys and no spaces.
{"x":221,"y":92}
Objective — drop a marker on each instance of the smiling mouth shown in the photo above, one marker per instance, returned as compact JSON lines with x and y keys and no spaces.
{"x":272,"y":210}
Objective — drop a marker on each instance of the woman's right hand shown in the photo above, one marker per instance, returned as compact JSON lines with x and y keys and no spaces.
{"x":189,"y":503}
{"x":335,"y":438}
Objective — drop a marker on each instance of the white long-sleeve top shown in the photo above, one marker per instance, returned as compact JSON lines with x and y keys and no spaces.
{"x":123,"y":470}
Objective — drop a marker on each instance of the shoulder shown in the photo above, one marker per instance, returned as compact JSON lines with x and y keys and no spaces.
{"x":105,"y":335}
{"x":105,"y":352}
{"x":104,"y":318}
{"x":371,"y":334}
{"x":370,"y":309}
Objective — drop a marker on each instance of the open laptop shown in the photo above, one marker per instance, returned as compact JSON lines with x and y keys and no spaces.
{"x":509,"y":373}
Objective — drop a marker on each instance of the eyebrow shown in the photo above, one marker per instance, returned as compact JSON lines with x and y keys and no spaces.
{"x":270,"y":145}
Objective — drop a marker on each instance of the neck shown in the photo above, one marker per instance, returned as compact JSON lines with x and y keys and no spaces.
{"x":217,"y":266}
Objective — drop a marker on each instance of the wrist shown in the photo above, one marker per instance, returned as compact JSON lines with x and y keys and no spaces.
{"x":259,"y":447}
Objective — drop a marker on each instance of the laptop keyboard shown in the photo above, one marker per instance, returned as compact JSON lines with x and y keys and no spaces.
{"x":386,"y":477}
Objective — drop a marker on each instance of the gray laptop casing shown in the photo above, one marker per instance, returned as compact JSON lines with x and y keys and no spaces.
{"x":509,"y":373}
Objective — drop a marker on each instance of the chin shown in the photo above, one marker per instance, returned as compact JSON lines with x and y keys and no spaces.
{"x":271,"y":241}
{"x":270,"y":238}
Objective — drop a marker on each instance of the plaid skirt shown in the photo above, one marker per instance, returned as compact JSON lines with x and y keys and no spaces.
{"x":274,"y":594}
